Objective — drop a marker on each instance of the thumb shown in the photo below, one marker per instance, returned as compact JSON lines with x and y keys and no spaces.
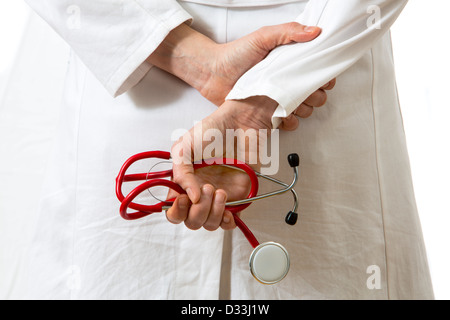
{"x":183,"y":174}
{"x":183,"y":170}
{"x":268,"y":38}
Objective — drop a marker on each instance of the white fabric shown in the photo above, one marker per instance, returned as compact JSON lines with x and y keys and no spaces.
{"x":117,"y":57}
{"x":114,"y":37}
{"x":242,"y":3}
{"x":357,"y":210}
{"x":349,"y":29}
{"x":29,"y":112}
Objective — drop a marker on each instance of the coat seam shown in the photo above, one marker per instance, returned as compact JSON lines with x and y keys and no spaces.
{"x":77,"y":148}
{"x":382,"y":209}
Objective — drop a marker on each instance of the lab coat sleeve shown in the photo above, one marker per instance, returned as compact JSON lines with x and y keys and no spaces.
{"x":290,"y":74}
{"x":113,"y":37}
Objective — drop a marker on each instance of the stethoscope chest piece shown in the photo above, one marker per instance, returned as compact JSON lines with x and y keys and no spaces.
{"x":269,"y":263}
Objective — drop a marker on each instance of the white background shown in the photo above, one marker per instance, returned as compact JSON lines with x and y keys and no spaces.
{"x":422,"y":52}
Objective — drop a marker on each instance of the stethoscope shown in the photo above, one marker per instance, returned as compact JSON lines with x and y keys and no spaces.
{"x":269,"y":262}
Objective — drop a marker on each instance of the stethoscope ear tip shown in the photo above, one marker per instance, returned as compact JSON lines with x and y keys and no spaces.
{"x":291,"y":218}
{"x":294,"y":160}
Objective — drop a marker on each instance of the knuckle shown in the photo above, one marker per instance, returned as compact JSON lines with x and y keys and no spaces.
{"x":192,"y":225}
{"x":211,"y":227}
{"x":292,"y":26}
{"x":322,"y":97}
{"x":332,"y":84}
{"x":208,"y":190}
{"x":197,"y":218}
{"x":181,"y":174}
{"x":263,"y":30}
{"x":304,"y":111}
{"x":172,"y":217}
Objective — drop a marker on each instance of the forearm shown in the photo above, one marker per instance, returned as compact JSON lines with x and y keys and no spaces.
{"x":182,"y":54}
{"x":253,"y":113}
{"x":213,"y":68}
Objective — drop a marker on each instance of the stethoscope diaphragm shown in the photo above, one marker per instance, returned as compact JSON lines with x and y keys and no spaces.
{"x":269,"y":263}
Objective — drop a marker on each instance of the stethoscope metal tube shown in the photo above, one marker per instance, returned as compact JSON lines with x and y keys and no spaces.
{"x":292,"y":216}
{"x":286,"y":186}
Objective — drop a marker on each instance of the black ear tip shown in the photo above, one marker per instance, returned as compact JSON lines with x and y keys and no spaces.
{"x":294,"y":160}
{"x":291,"y":218}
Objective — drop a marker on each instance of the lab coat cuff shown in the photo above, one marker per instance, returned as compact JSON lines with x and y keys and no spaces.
{"x":136,"y":66}
{"x":286,"y":103}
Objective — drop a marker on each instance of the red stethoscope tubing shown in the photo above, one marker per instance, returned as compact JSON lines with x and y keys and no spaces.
{"x":157,"y":180}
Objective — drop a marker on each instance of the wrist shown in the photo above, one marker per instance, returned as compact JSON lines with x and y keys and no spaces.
{"x":183,"y":54}
{"x":252,"y":113}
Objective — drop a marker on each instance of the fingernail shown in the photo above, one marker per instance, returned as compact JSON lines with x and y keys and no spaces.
{"x":310,"y":29}
{"x":226,"y":218}
{"x":190,"y":194}
{"x":220,"y":198}
{"x":183,"y":203}
{"x":207,"y":190}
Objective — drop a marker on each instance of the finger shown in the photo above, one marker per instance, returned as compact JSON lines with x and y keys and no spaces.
{"x":217,"y":210}
{"x":172,"y":194}
{"x":228,"y":222}
{"x":304,"y":111}
{"x":270,"y":37}
{"x":183,"y":170}
{"x":179,"y":210}
{"x":317,"y":99}
{"x":198,"y":213}
{"x":290,"y":123}
{"x":330,"y":85}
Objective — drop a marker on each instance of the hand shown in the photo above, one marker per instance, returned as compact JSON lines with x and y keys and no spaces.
{"x":213,"y":69}
{"x":208,"y":189}
{"x":305,"y":110}
{"x":219,"y":185}
{"x":226,"y":63}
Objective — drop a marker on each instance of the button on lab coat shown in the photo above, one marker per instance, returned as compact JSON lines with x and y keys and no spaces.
{"x":358,"y":235}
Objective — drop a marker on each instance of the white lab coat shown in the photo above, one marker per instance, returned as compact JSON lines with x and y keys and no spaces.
{"x":358,"y":235}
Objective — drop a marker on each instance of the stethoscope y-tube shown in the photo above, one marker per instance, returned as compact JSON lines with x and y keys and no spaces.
{"x":269,"y":262}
